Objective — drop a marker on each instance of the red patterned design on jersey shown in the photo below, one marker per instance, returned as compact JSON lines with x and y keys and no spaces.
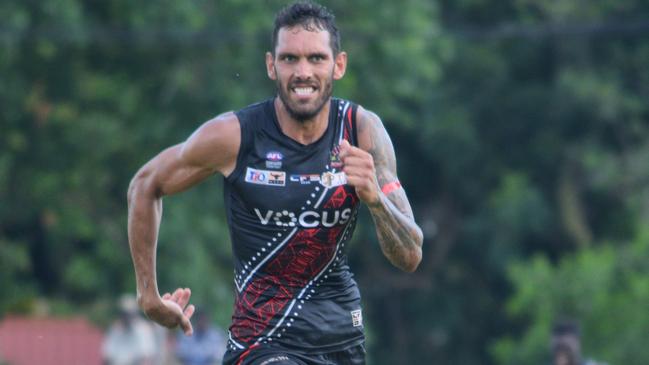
{"x":340,"y":196}
{"x":303,"y":257}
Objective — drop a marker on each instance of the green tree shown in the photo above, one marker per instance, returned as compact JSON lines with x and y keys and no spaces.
{"x":603,"y":288}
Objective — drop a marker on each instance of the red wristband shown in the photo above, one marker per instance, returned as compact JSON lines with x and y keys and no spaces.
{"x":390,"y":187}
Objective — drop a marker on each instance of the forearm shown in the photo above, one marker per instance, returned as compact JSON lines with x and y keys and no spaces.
{"x":399,"y":236}
{"x":144,"y":214}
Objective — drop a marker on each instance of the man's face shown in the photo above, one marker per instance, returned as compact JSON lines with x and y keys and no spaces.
{"x":566,"y":349}
{"x":304,"y":68}
{"x":564,"y":358}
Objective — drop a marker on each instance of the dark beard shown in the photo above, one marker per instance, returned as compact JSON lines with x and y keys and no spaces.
{"x":304,"y":115}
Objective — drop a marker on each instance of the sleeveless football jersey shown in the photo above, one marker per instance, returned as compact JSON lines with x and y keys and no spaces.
{"x":291,"y":216}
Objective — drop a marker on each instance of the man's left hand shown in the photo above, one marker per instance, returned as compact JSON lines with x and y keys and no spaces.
{"x":358,"y":166}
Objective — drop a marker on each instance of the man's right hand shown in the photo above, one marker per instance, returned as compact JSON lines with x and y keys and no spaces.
{"x":172,"y":310}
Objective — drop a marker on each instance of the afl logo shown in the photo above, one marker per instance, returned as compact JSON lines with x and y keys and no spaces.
{"x":274,"y":156}
{"x":274,"y":160}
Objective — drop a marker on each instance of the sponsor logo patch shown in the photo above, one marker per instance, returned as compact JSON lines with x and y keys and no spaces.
{"x":304,"y":219}
{"x":277,"y":178}
{"x":265,"y":177}
{"x":305,"y":179}
{"x":331,"y":179}
{"x":357,"y":317}
{"x":274,"y":160}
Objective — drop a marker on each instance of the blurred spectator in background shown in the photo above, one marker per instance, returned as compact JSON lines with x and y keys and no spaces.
{"x":205,"y":347}
{"x":565,"y":344}
{"x":130,"y":340}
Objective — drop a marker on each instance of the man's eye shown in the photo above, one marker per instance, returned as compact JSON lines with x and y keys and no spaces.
{"x":317,"y":58}
{"x":289,"y":58}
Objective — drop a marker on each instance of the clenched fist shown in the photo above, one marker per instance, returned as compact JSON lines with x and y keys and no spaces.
{"x":358,"y":166}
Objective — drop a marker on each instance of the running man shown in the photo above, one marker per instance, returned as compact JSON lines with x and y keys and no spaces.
{"x":296,"y":168}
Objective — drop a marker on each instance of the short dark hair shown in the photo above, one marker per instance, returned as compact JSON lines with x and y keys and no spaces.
{"x":308,"y":15}
{"x":566,"y":327}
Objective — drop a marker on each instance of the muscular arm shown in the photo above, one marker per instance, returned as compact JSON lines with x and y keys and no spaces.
{"x":399,"y":236}
{"x":212,"y":148}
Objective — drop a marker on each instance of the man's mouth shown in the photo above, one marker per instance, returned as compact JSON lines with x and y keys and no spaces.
{"x":303,"y":90}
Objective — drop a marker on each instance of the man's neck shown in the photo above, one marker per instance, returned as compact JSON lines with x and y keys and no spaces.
{"x":304,"y":132}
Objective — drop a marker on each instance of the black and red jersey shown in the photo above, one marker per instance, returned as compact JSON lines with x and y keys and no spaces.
{"x":291,"y":215}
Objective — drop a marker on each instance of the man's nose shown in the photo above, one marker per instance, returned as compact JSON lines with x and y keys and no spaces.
{"x":303,"y":70}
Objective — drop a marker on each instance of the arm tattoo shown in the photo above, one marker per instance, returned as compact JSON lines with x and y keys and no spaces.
{"x":399,"y":236}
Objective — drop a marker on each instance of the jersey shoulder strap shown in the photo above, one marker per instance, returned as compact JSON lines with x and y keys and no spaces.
{"x":346,"y":121}
{"x":251,"y":119}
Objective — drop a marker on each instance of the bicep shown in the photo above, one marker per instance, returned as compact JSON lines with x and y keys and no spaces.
{"x":169,"y":172}
{"x":215,"y":144}
{"x":210,"y":149}
{"x":375,"y":139}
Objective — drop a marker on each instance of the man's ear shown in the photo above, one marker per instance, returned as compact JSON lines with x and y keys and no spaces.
{"x":340,"y":65}
{"x":270,"y":66}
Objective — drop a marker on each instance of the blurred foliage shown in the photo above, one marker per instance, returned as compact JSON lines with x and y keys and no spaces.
{"x":521,"y":129}
{"x":603,"y":287}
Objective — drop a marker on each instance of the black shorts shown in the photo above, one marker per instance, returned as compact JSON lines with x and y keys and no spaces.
{"x":277,"y":356}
